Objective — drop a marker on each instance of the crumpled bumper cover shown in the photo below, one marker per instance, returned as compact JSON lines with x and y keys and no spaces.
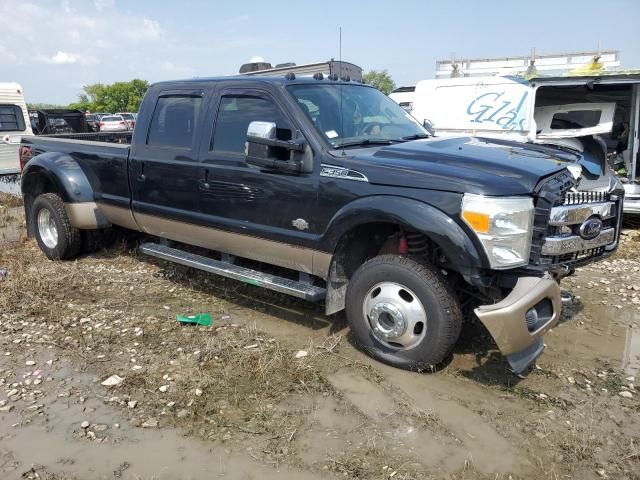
{"x":519,"y":342}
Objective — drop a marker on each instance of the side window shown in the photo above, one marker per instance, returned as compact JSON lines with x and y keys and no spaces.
{"x":11,"y":119}
{"x":174,"y":122}
{"x":235,"y":114}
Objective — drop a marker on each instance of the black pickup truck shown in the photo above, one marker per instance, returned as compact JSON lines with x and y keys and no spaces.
{"x":326,"y":189}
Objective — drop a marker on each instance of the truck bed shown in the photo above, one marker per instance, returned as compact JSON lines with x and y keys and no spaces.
{"x":108,"y":137}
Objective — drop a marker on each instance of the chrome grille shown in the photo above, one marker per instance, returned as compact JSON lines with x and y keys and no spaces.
{"x":578,"y":198}
{"x":559,"y":242}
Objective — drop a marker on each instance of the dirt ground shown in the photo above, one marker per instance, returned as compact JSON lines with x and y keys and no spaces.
{"x":274,"y":389}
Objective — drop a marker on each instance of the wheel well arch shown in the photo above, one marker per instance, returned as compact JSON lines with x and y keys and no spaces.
{"x":365,"y":225}
{"x":34,"y":184}
{"x":363,"y":242}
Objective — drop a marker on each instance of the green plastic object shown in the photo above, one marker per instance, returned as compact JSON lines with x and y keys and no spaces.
{"x":203,"y":319}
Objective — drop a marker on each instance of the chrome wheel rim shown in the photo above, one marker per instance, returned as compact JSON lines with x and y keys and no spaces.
{"x":395,"y":315}
{"x":47,"y":228}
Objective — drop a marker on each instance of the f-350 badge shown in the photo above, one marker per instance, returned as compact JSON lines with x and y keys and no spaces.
{"x":300,"y":224}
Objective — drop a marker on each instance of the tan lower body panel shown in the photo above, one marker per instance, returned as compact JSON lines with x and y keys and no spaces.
{"x":505,"y":320}
{"x":86,"y":215}
{"x":119,"y":216}
{"x":246,"y":246}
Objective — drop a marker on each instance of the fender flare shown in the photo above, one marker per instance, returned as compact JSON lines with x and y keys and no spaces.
{"x":70,"y":182}
{"x":463,"y":254}
{"x":62,"y":171}
{"x":443,"y":230}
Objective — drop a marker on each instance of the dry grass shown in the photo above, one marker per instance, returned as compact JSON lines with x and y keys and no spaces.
{"x":10,"y":201}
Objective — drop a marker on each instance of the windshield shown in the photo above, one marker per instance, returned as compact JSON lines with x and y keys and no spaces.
{"x":368,"y":115}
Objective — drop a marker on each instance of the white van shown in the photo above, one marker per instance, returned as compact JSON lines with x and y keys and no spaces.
{"x":403,"y":96}
{"x":14,"y":120}
{"x":504,"y":107}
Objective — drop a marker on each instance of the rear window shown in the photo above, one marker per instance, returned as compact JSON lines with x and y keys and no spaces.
{"x":11,"y":118}
{"x":174,"y":121}
{"x":112,"y":119}
{"x":127,"y":116}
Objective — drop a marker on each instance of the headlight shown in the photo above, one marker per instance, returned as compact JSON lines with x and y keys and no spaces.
{"x":503,"y":225}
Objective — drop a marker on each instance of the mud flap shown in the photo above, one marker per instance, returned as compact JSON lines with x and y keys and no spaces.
{"x":519,"y":361}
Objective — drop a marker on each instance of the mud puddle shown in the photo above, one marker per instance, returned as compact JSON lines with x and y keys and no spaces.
{"x":49,"y":431}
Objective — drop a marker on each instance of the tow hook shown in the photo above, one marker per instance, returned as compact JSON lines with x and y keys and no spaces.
{"x":566,"y":297}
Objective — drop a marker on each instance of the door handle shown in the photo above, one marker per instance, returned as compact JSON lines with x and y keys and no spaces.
{"x":141,"y":177}
{"x":203,"y":183}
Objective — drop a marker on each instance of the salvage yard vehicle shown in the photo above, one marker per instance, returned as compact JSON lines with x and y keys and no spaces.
{"x":113,"y":123}
{"x":346,"y":194}
{"x":14,"y":120}
{"x":129,"y":118}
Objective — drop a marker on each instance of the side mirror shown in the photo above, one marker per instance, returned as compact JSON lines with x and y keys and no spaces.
{"x":428,"y":126}
{"x":265,"y":130}
{"x":263,"y":149}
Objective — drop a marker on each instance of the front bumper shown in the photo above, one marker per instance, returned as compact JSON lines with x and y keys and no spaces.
{"x":518,"y":340}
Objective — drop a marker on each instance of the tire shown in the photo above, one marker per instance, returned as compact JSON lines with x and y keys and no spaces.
{"x":403,"y":313}
{"x":57,"y":238}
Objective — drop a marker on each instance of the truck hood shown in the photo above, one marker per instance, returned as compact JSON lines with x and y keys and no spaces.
{"x":472,"y":165}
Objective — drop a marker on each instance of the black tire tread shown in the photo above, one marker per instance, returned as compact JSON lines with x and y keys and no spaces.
{"x":447,"y":299}
{"x":69,"y":237}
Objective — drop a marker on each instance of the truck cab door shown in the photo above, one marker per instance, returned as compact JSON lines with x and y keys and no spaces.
{"x":263,"y":211}
{"x":164,"y":168}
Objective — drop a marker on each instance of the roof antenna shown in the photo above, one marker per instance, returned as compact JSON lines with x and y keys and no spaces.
{"x":340,"y":80}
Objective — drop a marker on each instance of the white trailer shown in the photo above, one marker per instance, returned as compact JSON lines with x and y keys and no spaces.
{"x":14,"y":120}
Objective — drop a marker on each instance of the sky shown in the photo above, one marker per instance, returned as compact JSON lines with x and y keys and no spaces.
{"x":55,"y":47}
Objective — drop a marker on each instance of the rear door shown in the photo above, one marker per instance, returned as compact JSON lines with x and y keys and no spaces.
{"x":164,"y":168}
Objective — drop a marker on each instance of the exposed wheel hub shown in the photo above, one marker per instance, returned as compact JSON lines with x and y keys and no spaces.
{"x":387,"y":320}
{"x":395,"y":315}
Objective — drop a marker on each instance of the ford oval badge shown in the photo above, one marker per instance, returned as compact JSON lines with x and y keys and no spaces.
{"x":591,"y":228}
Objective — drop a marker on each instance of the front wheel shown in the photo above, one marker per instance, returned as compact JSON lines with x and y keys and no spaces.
{"x":57,"y":238}
{"x":403,"y":312}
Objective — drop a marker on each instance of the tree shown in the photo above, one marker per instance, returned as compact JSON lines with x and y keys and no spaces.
{"x":380,"y":79}
{"x":117,"y":97}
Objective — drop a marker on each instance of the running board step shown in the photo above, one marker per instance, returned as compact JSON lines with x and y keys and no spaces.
{"x":229,"y":270}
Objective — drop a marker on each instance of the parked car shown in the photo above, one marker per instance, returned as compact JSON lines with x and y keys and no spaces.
{"x":113,"y":123}
{"x":334,"y":184}
{"x":129,"y":118}
{"x":93,"y":122}
{"x":14,"y":120}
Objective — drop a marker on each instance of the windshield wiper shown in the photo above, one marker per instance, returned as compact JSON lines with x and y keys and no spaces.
{"x":366,"y":141}
{"x":416,"y":136}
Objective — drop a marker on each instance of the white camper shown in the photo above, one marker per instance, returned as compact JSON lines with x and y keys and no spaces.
{"x":14,"y":120}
